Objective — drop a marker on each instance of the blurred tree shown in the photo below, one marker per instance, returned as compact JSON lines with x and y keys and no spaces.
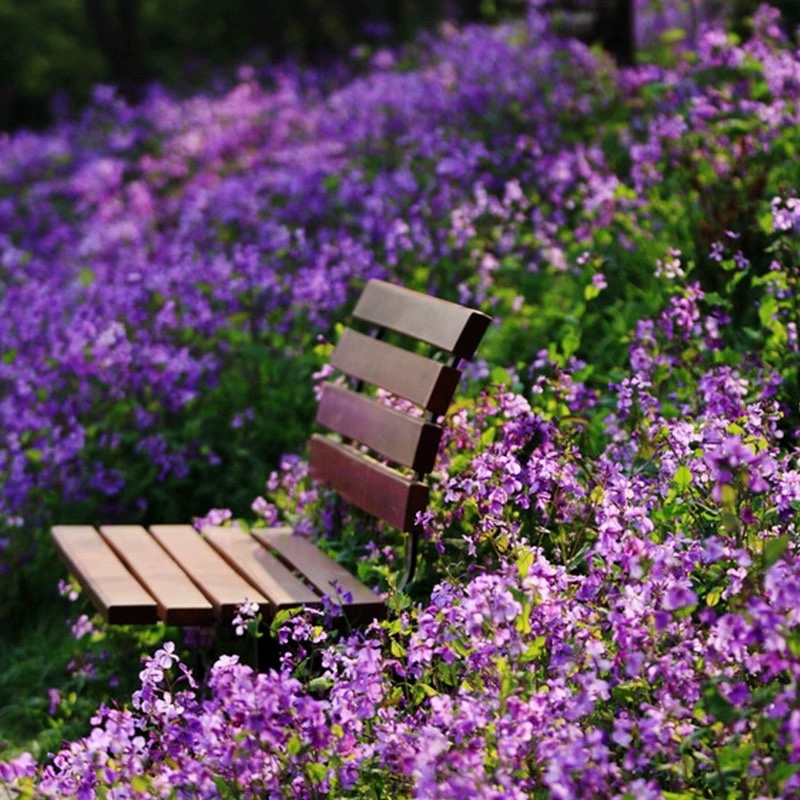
{"x":614,"y":28}
{"x":54,"y":48}
{"x":46,"y":50}
{"x":61,"y":48}
{"x":117,"y":32}
{"x":609,"y":23}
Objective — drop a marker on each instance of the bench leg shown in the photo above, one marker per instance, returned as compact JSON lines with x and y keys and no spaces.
{"x":268,"y":652}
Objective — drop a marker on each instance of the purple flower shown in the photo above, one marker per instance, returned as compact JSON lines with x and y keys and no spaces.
{"x":216,"y":516}
{"x":785,"y":213}
{"x":82,"y":626}
{"x":679,"y":596}
{"x":23,"y":766}
{"x":244,"y":614}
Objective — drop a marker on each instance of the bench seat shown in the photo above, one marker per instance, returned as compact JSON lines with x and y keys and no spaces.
{"x":176,"y":575}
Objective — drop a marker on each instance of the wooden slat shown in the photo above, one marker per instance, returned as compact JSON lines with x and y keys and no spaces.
{"x":323,"y":572}
{"x":365,"y":483}
{"x":279,"y":585}
{"x":179,"y":601}
{"x":399,"y":437}
{"x":446,"y":325}
{"x":116,"y":594}
{"x":421,"y":380}
{"x":224,"y":588}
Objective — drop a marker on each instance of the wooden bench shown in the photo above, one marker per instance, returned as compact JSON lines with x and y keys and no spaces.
{"x":375,"y":456}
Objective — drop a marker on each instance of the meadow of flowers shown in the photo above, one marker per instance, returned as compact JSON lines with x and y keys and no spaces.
{"x":610,"y":599}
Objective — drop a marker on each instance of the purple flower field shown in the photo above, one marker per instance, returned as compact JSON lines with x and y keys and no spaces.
{"x":613,"y":598}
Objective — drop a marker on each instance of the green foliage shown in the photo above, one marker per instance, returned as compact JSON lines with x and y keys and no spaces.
{"x":45,"y":47}
{"x":51,"y":683}
{"x":50,"y":49}
{"x":569,"y":298}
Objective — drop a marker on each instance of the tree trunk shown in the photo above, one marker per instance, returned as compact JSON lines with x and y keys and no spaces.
{"x":116,"y":29}
{"x":614,"y":29}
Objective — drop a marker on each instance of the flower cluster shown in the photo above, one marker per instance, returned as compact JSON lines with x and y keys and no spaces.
{"x":608,"y":602}
{"x":622,"y":623}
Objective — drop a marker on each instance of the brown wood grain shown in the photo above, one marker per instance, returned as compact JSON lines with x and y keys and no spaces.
{"x":396,"y":435}
{"x":222,"y":586}
{"x":115,"y":593}
{"x":179,"y":601}
{"x":325,"y":574}
{"x":421,"y":380}
{"x":279,"y":585}
{"x":362,"y":481}
{"x":445,"y":325}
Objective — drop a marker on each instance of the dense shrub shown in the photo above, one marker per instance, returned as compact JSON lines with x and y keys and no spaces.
{"x":53,"y":51}
{"x":608,"y":606}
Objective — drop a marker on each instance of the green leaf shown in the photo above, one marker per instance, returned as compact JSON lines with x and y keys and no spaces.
{"x":139,"y":783}
{"x":316,"y":772}
{"x":398,"y":651}
{"x":488,"y":436}
{"x":596,"y":495}
{"x":570,"y":342}
{"x":735,"y":758}
{"x":535,"y":648}
{"x":524,"y":562}
{"x":767,"y":311}
{"x":774,"y":549}
{"x":294,"y":745}
{"x":728,"y":495}
{"x":223,"y":787}
{"x":718,"y":706}
{"x":254,"y":628}
{"x":682,"y":479}
{"x":34,"y":455}
{"x":793,"y":643}
{"x":321,"y":684}
{"x":673,"y":36}
{"x":590,"y":291}
{"x":629,"y":692}
{"x":501,"y":376}
{"x":713,"y":597}
{"x":523,"y":621}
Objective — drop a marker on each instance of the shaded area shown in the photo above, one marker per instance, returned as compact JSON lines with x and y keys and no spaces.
{"x":54,"y":51}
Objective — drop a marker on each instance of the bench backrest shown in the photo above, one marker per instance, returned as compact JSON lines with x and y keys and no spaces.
{"x":378,"y":456}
